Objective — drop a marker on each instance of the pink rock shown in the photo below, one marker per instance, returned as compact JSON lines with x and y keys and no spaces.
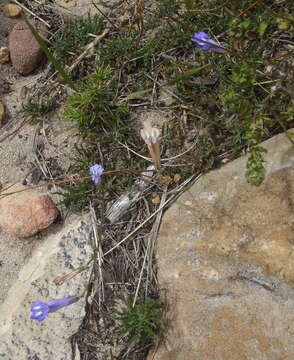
{"x":25,"y":52}
{"x":25,"y":213}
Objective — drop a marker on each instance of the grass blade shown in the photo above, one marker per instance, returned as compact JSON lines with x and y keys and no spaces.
{"x":137,"y":94}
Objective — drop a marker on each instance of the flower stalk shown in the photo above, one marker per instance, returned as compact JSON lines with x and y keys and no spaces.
{"x":151,"y":136}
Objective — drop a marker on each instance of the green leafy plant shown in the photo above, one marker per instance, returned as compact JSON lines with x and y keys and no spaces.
{"x":230,"y":101}
{"x":76,"y":35}
{"x":142,"y":321}
{"x":255,"y":170}
{"x":38,"y":109}
{"x":235,"y":101}
{"x":92,"y":102}
{"x":76,"y":197}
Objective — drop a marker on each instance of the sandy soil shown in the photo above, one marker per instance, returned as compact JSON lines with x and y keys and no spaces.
{"x":18,"y":156}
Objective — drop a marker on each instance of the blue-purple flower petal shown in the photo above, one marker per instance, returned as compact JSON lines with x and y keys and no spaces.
{"x":203,"y":40}
{"x":96,"y":171}
{"x":55,"y":305}
{"x":40,"y":309}
{"x":201,"y":35}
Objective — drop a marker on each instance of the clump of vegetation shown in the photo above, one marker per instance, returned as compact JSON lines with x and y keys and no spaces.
{"x":141,"y":322}
{"x":255,"y":171}
{"x":71,"y":41}
{"x":223,"y":105}
{"x":231,"y":102}
{"x":38,"y":109}
{"x":76,"y":198}
{"x":102,"y":122}
{"x":93,"y":106}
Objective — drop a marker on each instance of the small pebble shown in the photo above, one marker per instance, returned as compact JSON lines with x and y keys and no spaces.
{"x":4,"y":55}
{"x":68,"y":3}
{"x":2,"y":114}
{"x":12,"y":11}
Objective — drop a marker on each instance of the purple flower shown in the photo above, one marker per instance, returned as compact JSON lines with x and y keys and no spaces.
{"x":40,"y":309}
{"x":203,"y":40}
{"x":96,"y":171}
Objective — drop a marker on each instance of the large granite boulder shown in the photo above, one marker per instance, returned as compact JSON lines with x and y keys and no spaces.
{"x":56,"y":255}
{"x":226,"y":260}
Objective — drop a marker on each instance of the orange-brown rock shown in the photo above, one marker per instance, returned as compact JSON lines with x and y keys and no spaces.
{"x":25,"y":52}
{"x":226,"y":258}
{"x":4,"y":55}
{"x":25,"y":213}
{"x":12,"y":10}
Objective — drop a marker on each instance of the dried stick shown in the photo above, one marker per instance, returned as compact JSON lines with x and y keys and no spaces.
{"x":165,"y":90}
{"x":140,"y":277}
{"x":106,"y":17}
{"x":151,"y":216}
{"x":90,"y":46}
{"x":150,"y":246}
{"x":30,"y":12}
{"x":166,"y":159}
{"x":155,"y":230}
{"x":97,"y":254}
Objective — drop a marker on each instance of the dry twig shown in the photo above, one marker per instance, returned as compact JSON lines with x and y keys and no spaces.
{"x":31,"y":13}
{"x":172,"y":197}
{"x":87,"y":50}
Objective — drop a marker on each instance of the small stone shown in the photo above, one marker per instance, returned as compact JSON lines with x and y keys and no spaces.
{"x":25,"y":52}
{"x":24,"y":95}
{"x":165,"y":180}
{"x":177,"y":178}
{"x":68,"y":3}
{"x":2,"y":114}
{"x":4,"y":55}
{"x":25,"y":213}
{"x":155,"y":199}
{"x":12,"y":11}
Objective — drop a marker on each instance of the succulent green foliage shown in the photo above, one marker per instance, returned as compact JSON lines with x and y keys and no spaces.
{"x":142,"y":321}
{"x":255,"y":170}
{"x":243,"y":74}
{"x":235,"y":101}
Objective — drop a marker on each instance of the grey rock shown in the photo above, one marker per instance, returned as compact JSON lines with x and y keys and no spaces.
{"x":58,"y":254}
